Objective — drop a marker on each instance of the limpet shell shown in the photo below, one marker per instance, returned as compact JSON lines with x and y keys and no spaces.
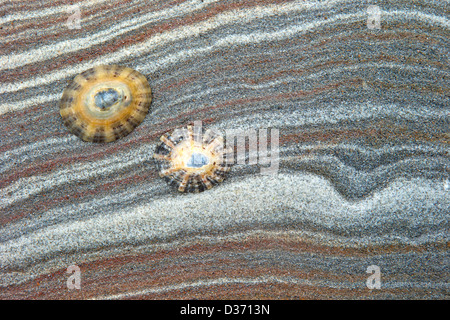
{"x":105,"y":103}
{"x":191,"y":160}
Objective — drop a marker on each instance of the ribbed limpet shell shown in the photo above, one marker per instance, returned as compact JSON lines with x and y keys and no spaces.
{"x":105,"y":103}
{"x":191,"y":160}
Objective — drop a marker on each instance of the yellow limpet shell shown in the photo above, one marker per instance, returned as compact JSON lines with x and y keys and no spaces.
{"x":191,"y":160}
{"x":105,"y":103}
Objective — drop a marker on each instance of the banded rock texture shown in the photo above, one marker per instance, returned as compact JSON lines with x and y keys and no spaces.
{"x":363,"y":178}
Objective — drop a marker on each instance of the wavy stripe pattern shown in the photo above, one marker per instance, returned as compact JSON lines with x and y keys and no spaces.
{"x":364,"y":164}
